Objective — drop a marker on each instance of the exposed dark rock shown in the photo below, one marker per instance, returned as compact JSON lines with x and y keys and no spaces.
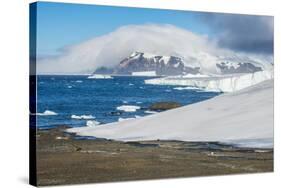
{"x":161,"y":106}
{"x":242,"y":68}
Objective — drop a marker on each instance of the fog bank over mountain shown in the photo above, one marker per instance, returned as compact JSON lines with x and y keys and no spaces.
{"x":167,"y":40}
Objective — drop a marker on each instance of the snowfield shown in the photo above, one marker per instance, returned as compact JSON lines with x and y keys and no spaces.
{"x":243,"y":118}
{"x":226,"y":83}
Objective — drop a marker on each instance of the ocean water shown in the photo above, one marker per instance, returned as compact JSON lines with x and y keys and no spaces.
{"x":61,"y":97}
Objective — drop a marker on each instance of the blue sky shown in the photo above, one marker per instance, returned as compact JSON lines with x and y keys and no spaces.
{"x":62,"y":24}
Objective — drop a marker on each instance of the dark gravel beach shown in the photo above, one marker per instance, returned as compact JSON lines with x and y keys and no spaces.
{"x":64,"y":159}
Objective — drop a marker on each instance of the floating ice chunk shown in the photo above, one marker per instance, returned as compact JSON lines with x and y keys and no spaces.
{"x":82,"y":117}
{"x":47,"y":113}
{"x":124,"y":119}
{"x":100,"y":76}
{"x":144,"y":73}
{"x":185,"y":88}
{"x":128,"y":108}
{"x":92,"y":123}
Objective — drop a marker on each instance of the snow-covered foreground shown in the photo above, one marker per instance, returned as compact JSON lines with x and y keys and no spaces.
{"x":244,"y":118}
{"x":226,"y":83}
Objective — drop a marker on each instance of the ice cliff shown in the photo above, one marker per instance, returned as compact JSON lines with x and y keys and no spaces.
{"x":220,"y":83}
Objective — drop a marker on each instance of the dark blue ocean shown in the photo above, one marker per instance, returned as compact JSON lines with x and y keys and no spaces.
{"x":78,"y":95}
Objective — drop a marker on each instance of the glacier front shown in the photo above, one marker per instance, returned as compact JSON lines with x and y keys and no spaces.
{"x":218,"y":83}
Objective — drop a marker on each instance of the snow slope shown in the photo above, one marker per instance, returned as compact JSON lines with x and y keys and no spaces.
{"x":227,"y":83}
{"x":244,"y":118}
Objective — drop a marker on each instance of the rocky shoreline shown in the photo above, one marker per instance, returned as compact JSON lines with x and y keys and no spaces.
{"x":66,"y":159}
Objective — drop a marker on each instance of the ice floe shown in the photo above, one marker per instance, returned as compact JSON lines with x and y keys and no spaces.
{"x":128,"y":108}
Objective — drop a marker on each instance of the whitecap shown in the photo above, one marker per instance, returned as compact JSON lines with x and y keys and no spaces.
{"x":150,"y":112}
{"x":125,"y":119}
{"x":79,"y":81}
{"x":92,"y":123}
{"x":47,"y":113}
{"x":128,"y":108}
{"x":82,"y":117}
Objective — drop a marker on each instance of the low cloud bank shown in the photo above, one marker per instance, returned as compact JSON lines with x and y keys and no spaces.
{"x":108,"y":50}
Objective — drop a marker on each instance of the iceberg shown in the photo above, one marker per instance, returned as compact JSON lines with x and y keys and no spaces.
{"x":82,"y":117}
{"x":144,"y":73}
{"x":47,"y":113}
{"x":243,"y":118}
{"x":185,"y":88}
{"x":224,"y":83}
{"x":100,"y":76}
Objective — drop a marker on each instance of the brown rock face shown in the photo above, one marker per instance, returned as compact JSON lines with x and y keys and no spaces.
{"x":161,"y":106}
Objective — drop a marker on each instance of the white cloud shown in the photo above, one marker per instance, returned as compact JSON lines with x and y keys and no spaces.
{"x":110,"y":49}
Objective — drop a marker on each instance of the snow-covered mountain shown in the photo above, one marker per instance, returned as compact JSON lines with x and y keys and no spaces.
{"x":141,"y":62}
{"x":178,"y":65}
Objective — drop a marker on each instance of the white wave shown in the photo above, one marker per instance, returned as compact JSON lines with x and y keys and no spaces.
{"x":139,"y":102}
{"x":47,"y":113}
{"x":150,"y":112}
{"x":125,"y":119}
{"x":130,"y":84}
{"x":128,"y":108}
{"x":92,"y":123}
{"x":82,"y":117}
{"x":79,"y":81}
{"x":69,"y":87}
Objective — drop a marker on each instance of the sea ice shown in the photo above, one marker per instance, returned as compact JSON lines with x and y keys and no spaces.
{"x":47,"y":113}
{"x":128,"y":108}
{"x":82,"y":117}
